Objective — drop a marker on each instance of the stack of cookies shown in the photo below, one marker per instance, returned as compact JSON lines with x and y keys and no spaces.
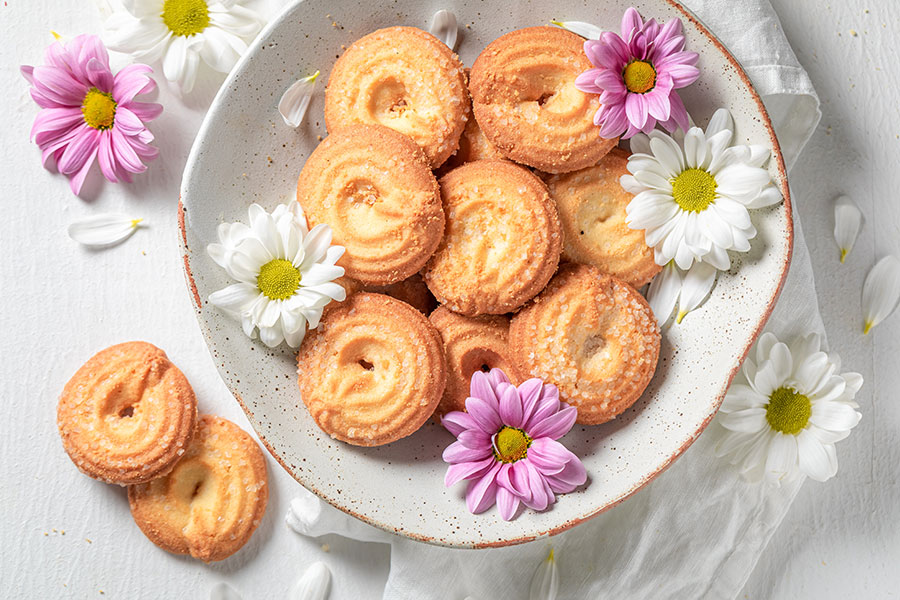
{"x":196,"y":485}
{"x":467,"y":189}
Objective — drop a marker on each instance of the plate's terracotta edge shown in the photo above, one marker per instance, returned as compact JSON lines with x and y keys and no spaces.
{"x":785,"y":191}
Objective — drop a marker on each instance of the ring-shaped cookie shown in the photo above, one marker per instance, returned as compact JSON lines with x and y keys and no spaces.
{"x":127,"y":414}
{"x":212,"y":501}
{"x":502,"y":241}
{"x":525,"y":100}
{"x":406,"y":79}
{"x":373,"y":371}
{"x":471,"y":344}
{"x":591,"y":205}
{"x":375,"y":190}
{"x":592,"y":335}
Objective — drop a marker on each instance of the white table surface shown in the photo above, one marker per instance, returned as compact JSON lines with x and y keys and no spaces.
{"x":67,"y":536}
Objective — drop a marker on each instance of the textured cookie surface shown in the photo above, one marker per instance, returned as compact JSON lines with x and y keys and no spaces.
{"x":373,"y":371}
{"x":593,"y":336}
{"x":127,"y":414}
{"x":525,"y":100}
{"x":591,"y":205}
{"x":403,"y":78}
{"x":375,"y":190}
{"x":502,"y":240}
{"x":212,"y":501}
{"x":473,"y":145}
{"x":471,"y":344}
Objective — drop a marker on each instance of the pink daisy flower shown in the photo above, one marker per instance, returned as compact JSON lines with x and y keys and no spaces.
{"x":87,"y":113}
{"x":636,"y":74}
{"x":506,"y":445}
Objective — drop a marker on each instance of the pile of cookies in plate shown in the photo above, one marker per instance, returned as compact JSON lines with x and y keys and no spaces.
{"x":196,"y":484}
{"x":490,"y":193}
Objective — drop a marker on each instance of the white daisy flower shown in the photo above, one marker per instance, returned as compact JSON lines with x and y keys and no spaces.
{"x":285,"y":271}
{"x":181,"y":32}
{"x":692,"y":192}
{"x":785,"y":417}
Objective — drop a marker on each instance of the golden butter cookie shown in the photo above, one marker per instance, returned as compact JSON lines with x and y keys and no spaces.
{"x":373,"y":187}
{"x":592,"y":335}
{"x":411,"y":290}
{"x":127,"y":414}
{"x":406,"y":79}
{"x":502,"y":241}
{"x":373,"y":371}
{"x":471,"y":344}
{"x":591,"y":205}
{"x":473,"y":145}
{"x":525,"y":100}
{"x":214,"y":498}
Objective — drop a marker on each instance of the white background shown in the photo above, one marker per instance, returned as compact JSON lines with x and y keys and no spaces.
{"x":61,"y":303}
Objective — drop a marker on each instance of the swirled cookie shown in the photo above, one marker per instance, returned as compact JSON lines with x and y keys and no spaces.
{"x":127,"y":414}
{"x":502,"y":241}
{"x":473,"y":145}
{"x":593,"y":336}
{"x":411,"y":290}
{"x":212,"y":501}
{"x":373,"y":371}
{"x":403,"y":78}
{"x":525,"y":100}
{"x":591,"y":205}
{"x":471,"y":344}
{"x":374,"y":188}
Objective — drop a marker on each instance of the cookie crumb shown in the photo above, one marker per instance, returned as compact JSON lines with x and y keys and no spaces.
{"x":326,"y":548}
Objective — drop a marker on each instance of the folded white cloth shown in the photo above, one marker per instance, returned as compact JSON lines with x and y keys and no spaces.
{"x":696,"y":531}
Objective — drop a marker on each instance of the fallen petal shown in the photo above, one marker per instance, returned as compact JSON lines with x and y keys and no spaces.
{"x":847,"y":221}
{"x":545,"y":582}
{"x":103,"y":230}
{"x":314,"y":583}
{"x":295,"y":101}
{"x":881,"y":292}
{"x":697,"y":283}
{"x":223,"y":591}
{"x":585,"y":30}
{"x":444,"y":27}
{"x":663,"y":293}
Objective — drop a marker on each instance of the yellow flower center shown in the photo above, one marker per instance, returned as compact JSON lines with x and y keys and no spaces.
{"x":185,"y":17}
{"x":639,"y":76}
{"x":788,"y":411}
{"x":278,"y":279}
{"x":99,"y":109}
{"x":694,"y":190}
{"x":511,"y":444}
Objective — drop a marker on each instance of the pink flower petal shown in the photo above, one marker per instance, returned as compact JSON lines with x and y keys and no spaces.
{"x":145,"y":111}
{"x":480,"y":387}
{"x":125,"y":154}
{"x":484,"y":412}
{"x":76,"y":181}
{"x":636,"y":110}
{"x":27,"y":72}
{"x":631,"y":22}
{"x":475,"y":438}
{"x":496,"y":377}
{"x":100,"y":76}
{"x":468,"y":470}
{"x":457,"y":421}
{"x":507,"y":504}
{"x":682,"y":75}
{"x":573,"y":475}
{"x":548,"y":405}
{"x":457,"y":452}
{"x":511,"y":406}
{"x":617,"y":45}
{"x":658,"y":105}
{"x":51,"y":122}
{"x":127,"y":122}
{"x":106,"y":158}
{"x":77,"y":152}
{"x":540,"y":489}
{"x":548,"y":456}
{"x":59,"y":86}
{"x":482,"y":492}
{"x":132,"y":81}
{"x":555,"y":426}
{"x":530,"y":393}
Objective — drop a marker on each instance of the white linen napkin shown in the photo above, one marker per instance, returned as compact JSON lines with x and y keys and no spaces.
{"x":698,"y":530}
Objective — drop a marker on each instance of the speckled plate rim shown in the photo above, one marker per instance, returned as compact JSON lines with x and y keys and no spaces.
{"x":777,"y":157}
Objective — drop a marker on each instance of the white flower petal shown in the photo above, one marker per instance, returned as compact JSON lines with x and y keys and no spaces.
{"x":847,"y":221}
{"x":815,"y":461}
{"x":748,"y":420}
{"x":668,"y":154}
{"x":585,"y":30}
{"x":295,"y":101}
{"x":782,"y":458}
{"x":640,"y":144}
{"x":834,"y":416}
{"x":223,"y":591}
{"x":103,"y":230}
{"x":720,"y":121}
{"x":444,"y":27}
{"x":271,"y":336}
{"x":314,"y":583}
{"x":698,"y":281}
{"x":881,"y":292}
{"x":545,"y":581}
{"x":235,"y":297}
{"x":663,"y":292}
{"x":741,"y":396}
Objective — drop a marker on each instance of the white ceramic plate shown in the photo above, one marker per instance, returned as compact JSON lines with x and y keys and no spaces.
{"x":244,"y":153}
